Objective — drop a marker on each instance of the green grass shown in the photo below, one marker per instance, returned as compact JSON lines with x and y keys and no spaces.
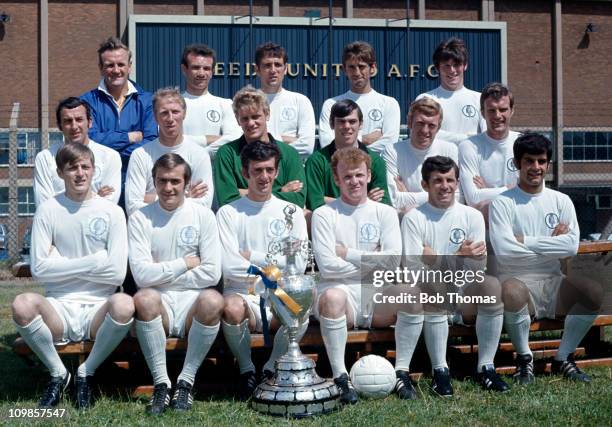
{"x":551,"y":401}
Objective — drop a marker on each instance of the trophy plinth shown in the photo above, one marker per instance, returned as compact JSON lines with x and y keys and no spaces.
{"x":295,"y":389}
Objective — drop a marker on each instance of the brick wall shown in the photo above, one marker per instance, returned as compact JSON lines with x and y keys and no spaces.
{"x":19,"y":53}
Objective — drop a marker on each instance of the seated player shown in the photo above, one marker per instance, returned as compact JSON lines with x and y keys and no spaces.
{"x":531,"y":228}
{"x":175,"y":260}
{"x":169,"y":108}
{"x":486,"y":159}
{"x":74,"y":120}
{"x":252,"y":112}
{"x":343,"y":233}
{"x":79,"y":248}
{"x":247,"y":226}
{"x":405,"y":158}
{"x":439,"y":230}
{"x":346,"y":120}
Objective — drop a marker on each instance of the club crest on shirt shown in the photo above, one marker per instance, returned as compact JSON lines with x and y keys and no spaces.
{"x":213,"y":115}
{"x":98,"y":227}
{"x":277,"y":227}
{"x":288,"y":114}
{"x":369,"y":233}
{"x":188,"y":235}
{"x":375,"y":115}
{"x":457,"y":236}
{"x":510,"y":165}
{"x":469,"y":110}
{"x":552,"y":220}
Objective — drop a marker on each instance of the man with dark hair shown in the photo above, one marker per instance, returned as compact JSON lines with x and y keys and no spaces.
{"x":175,"y":259}
{"x":292,"y":117}
{"x":404,"y":159}
{"x":169,"y":107}
{"x":381,"y":114}
{"x":462,"y":117}
{"x":209,"y":119}
{"x":252,"y":112}
{"x":486,"y":159}
{"x":439,"y":230}
{"x":531,"y":228}
{"x":79,"y":248}
{"x":346,"y":119}
{"x":345,"y":233}
{"x":122,"y":114}
{"x":247,"y":226}
{"x":74,"y":120}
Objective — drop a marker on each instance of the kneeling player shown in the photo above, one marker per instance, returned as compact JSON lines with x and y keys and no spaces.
{"x":79,"y":248}
{"x":247,"y":226}
{"x":343,"y":232}
{"x":437,"y":231}
{"x":174,"y":256}
{"x":531,"y":228}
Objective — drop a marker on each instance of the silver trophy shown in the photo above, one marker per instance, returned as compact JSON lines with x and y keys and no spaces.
{"x":295,"y":390}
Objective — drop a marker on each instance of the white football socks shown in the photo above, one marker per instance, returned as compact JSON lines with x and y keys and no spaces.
{"x":152,"y":339}
{"x":435,"y":330}
{"x":517,"y":325}
{"x":199,"y":341}
{"x":335,"y":334}
{"x":408,"y":329}
{"x":40,"y":340}
{"x":489,"y":324}
{"x":575,"y":328}
{"x":238,"y":339}
{"x":108,"y":337}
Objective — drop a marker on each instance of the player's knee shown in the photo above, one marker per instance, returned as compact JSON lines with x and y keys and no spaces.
{"x":121,"y":307}
{"x":211,"y":303}
{"x":514,"y":294}
{"x":489,"y":287}
{"x":332,"y":303}
{"x":592,"y":293}
{"x":24,"y":308}
{"x":147,"y":301}
{"x":234,"y":310}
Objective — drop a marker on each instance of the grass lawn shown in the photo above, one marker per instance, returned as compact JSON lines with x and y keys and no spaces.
{"x":551,"y":401}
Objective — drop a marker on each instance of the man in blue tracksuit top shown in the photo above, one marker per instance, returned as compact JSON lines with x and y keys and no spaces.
{"x":122,"y":112}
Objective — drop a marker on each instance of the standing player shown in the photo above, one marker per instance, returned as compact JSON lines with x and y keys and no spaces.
{"x":122,"y":111}
{"x":346,"y":119}
{"x":292,"y":117}
{"x":252,"y":111}
{"x":247,"y":226}
{"x":462,"y":117}
{"x":209,"y":119}
{"x":79,"y":248}
{"x":343,"y":233}
{"x":404,"y":159}
{"x":531,"y":228}
{"x":169,"y":107}
{"x":74,"y":120}
{"x":175,"y":259}
{"x":486,"y":160}
{"x":443,"y":228}
{"x":381,"y":124}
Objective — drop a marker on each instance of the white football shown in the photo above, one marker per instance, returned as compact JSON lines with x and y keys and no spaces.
{"x":373,"y":376}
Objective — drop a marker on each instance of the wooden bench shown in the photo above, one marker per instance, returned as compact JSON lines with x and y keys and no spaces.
{"x":462,"y":345}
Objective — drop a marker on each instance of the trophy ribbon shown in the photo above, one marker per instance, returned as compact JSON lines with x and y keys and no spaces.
{"x":277,"y":293}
